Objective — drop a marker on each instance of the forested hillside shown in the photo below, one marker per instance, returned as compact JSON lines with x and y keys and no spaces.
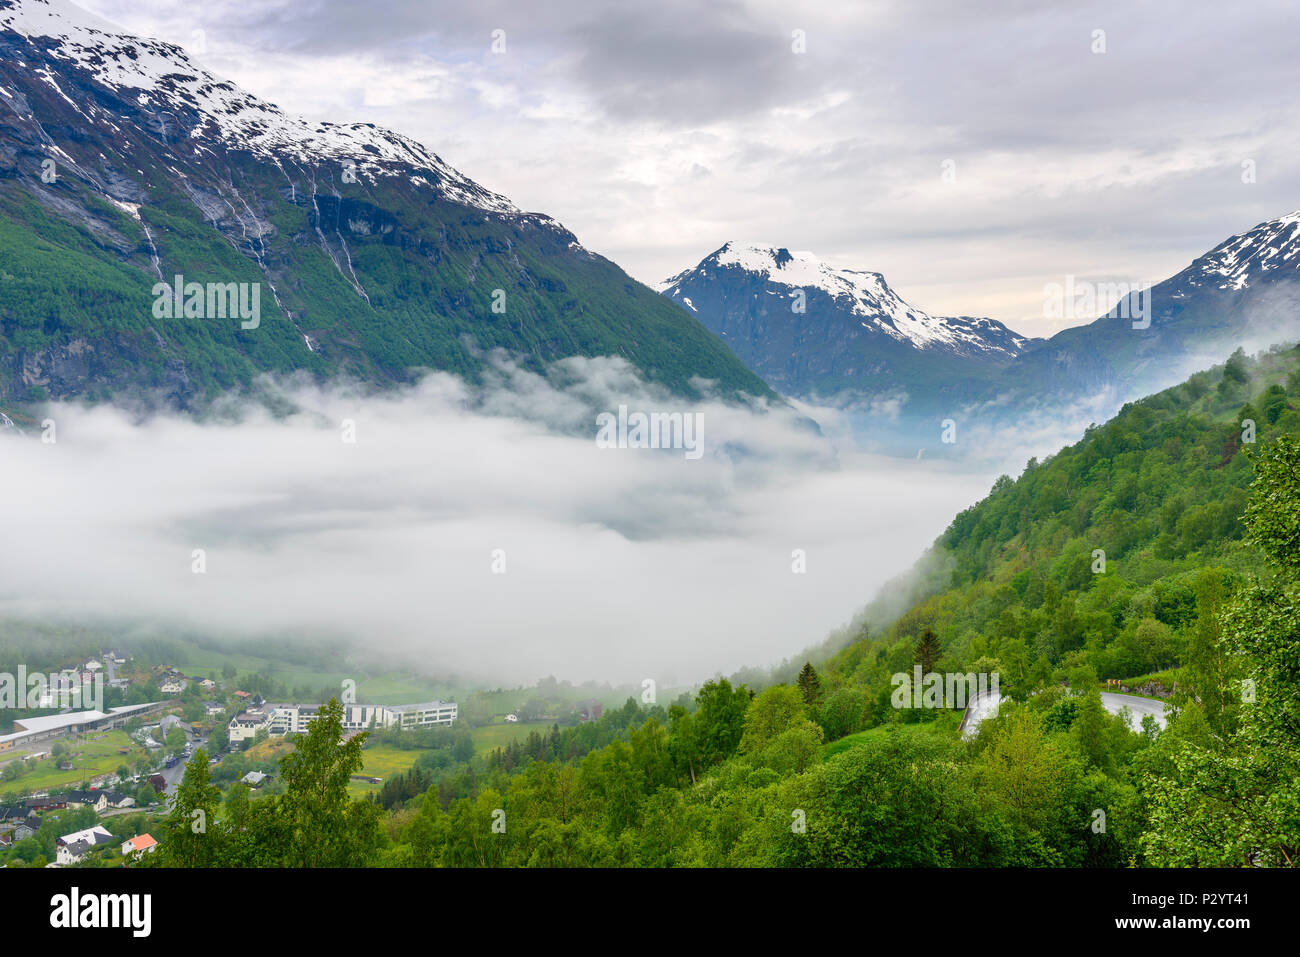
{"x":1200,"y":527}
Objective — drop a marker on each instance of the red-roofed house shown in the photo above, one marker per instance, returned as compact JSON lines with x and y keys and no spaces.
{"x":139,"y":845}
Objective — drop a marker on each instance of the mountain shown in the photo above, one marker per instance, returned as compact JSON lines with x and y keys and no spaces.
{"x":1243,"y":292}
{"x":124,"y":164}
{"x":809,"y":328}
{"x":857,"y":341}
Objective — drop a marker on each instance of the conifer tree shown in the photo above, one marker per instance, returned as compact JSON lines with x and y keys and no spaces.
{"x":810,"y":684}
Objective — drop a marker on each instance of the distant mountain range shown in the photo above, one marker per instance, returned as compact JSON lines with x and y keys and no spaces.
{"x":124,"y":164}
{"x":1245,"y":292}
{"x":845,"y":337}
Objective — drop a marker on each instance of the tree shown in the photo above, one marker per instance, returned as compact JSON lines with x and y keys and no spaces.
{"x":1091,"y":729}
{"x":191,"y":837}
{"x":810,"y":684}
{"x":1024,"y":771}
{"x":650,"y":754}
{"x":1210,"y":673}
{"x":319,"y":824}
{"x":1238,"y":805}
{"x":174,"y":741}
{"x":712,"y":734}
{"x":843,"y":713}
{"x":1234,"y":369}
{"x":775,"y":711}
{"x":927,"y":651}
{"x":145,"y":795}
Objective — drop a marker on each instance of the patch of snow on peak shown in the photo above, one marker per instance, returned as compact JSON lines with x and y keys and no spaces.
{"x":170,"y":84}
{"x":1267,"y":246}
{"x":869,"y":294}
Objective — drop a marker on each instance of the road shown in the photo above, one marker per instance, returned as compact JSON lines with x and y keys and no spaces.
{"x":1138,"y":707}
{"x":173,"y":775}
{"x":980,"y":707}
{"x":986,"y":706}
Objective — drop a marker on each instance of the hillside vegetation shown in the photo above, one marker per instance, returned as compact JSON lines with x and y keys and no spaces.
{"x":1201,"y":530}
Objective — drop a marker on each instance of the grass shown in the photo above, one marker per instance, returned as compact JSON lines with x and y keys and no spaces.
{"x":1167,"y":678}
{"x":272,"y":749}
{"x":92,"y":756}
{"x":492,"y":736}
{"x":382,"y":761}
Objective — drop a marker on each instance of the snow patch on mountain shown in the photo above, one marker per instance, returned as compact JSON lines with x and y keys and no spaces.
{"x":175,"y":89}
{"x":864,"y":294}
{"x":1269,"y":246}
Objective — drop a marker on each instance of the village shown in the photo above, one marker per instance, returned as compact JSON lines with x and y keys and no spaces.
{"x":81,"y":787}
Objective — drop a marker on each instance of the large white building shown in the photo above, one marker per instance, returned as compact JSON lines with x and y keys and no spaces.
{"x":359,"y":717}
{"x":295,"y":718}
{"x":30,"y":731}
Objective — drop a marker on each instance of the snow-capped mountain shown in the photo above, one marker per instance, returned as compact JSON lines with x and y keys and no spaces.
{"x":124,"y":163}
{"x":811,"y":328}
{"x":1271,"y":250}
{"x":206,"y":112}
{"x":1245,"y":292}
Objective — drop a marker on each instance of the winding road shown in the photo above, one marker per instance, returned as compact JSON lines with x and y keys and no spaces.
{"x":986,"y":705}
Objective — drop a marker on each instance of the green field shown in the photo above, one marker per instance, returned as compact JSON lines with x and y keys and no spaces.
{"x":383,"y":761}
{"x":93,"y":755}
{"x":492,"y":736}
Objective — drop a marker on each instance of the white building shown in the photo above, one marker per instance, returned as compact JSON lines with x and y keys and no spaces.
{"x":71,"y":848}
{"x":247,"y":723}
{"x":291,"y":718}
{"x":29,"y":731}
{"x":359,"y":717}
{"x":296,"y":718}
{"x":139,"y":846}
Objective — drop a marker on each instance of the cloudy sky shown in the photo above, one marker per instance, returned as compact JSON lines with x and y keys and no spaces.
{"x":658,"y":131}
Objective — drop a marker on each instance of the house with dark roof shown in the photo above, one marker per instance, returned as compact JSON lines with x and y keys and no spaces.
{"x":97,"y":800}
{"x":46,"y":804}
{"x":71,"y":848}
